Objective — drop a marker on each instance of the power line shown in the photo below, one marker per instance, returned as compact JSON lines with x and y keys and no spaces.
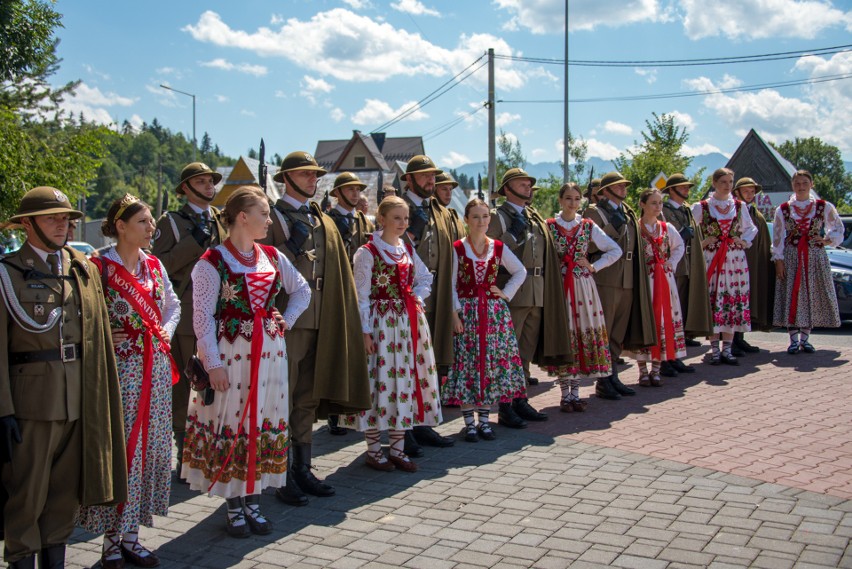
{"x":682,"y":62}
{"x":757,"y":87}
{"x":441,"y":90}
{"x":439,"y":130}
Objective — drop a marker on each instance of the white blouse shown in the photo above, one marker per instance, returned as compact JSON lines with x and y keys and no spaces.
{"x":747,"y":227}
{"x":363,"y":271}
{"x":206,"y":288}
{"x":833,"y":225}
{"x":170,"y":309}
{"x":675,"y":240}
{"x":515,"y":267}
{"x":610,"y":250}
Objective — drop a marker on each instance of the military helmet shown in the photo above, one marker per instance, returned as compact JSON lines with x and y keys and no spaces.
{"x":196,"y":169}
{"x":298,"y":161}
{"x":677,"y":179}
{"x":44,"y":200}
{"x":513,"y":174}
{"x":420,"y":164}
{"x":347,"y":179}
{"x":446,"y":178}
{"x":743,"y":182}
{"x":611,"y":179}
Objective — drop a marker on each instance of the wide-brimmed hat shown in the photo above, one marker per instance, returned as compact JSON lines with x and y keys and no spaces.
{"x":743,"y":182}
{"x":347,"y":179}
{"x":592,"y":188}
{"x":513,"y":174}
{"x":611,"y":179}
{"x":196,"y":169}
{"x":44,"y":200}
{"x":446,"y":178}
{"x":420,"y":164}
{"x":298,"y":161}
{"x":677,"y":179}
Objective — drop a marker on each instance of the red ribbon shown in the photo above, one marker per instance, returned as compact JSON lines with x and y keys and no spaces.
{"x":411,"y":307}
{"x":662,"y":304}
{"x":724,"y":241}
{"x":803,"y":257}
{"x":570,"y":263}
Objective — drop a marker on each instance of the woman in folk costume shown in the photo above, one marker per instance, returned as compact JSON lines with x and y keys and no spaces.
{"x":237,"y":446}
{"x":487,"y":368}
{"x":662,"y":248}
{"x":573,"y":235}
{"x":392,"y":282}
{"x":804,"y":290}
{"x":728,"y":231}
{"x":143,"y":312}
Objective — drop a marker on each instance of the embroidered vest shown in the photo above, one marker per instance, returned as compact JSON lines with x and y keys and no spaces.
{"x":467,"y":283}
{"x":390,"y":283}
{"x":794,"y":230}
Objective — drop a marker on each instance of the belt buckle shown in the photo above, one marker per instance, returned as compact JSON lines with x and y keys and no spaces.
{"x":629,"y":256}
{"x":537,"y":272}
{"x":319,"y":283}
{"x":69,"y":352}
{"x":688,"y":248}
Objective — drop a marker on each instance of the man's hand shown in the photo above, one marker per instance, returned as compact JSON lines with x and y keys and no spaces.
{"x":9,"y":433}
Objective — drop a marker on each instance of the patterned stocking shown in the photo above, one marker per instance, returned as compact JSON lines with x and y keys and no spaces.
{"x":111,"y":550}
{"x":714,"y":347}
{"x":565,"y":386}
{"x":467,"y":413}
{"x":483,"y":415}
{"x":397,"y":444}
{"x":805,"y":334}
{"x":575,"y":389}
{"x":374,"y":445}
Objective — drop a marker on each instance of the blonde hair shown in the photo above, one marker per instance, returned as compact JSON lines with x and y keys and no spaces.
{"x":241,"y":200}
{"x":390,"y":203}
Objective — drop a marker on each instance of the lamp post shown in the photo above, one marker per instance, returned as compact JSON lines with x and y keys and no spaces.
{"x":194,"y":145}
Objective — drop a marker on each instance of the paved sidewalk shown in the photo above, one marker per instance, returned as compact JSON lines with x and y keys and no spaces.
{"x":729,"y":467}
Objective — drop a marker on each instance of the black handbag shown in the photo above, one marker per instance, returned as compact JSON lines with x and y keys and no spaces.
{"x":199,"y":379}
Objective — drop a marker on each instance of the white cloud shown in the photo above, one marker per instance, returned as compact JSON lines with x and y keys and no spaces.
{"x":176,"y":73}
{"x":136,"y":122}
{"x":454,"y":160}
{"x":93,"y":103}
{"x":337,"y":114}
{"x":684,"y":120}
{"x":548,"y":16}
{"x":650,"y":75}
{"x":311,"y":87}
{"x":613,"y":127}
{"x":502,"y":119}
{"x":376,"y":112}
{"x":93,"y":71}
{"x":539,"y":154}
{"x":279,"y":94}
{"x":351,"y":47}
{"x":774,"y":19}
{"x":700,"y":149}
{"x":600,"y":149}
{"x":247,"y":68}
{"x":414,"y":7}
{"x":276,"y":19}
{"x":358,"y":4}
{"x":221,"y":98}
{"x":248,"y":113}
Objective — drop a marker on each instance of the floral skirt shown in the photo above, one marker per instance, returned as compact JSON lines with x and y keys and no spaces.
{"x":729,"y":293}
{"x":217,"y":442}
{"x":817,"y":298}
{"x":676,"y":316}
{"x":487,"y":368}
{"x":397,"y":371}
{"x":589,"y":344}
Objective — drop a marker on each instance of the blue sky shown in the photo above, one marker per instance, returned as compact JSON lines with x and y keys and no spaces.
{"x":295,"y":72}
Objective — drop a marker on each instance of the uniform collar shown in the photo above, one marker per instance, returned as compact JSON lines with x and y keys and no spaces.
{"x":415,"y":199}
{"x":293,"y":202}
{"x":344,"y":211}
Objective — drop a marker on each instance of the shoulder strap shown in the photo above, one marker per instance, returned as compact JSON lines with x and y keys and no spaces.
{"x":282,"y":222}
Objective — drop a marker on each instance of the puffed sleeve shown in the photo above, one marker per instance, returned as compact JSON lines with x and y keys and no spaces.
{"x":363,"y":272}
{"x":422,"y":279}
{"x":517,"y":271}
{"x":456,"y":303}
{"x":833,"y":225}
{"x":779,"y":235}
{"x":749,"y":229}
{"x":696,"y":213}
{"x":611,"y":251}
{"x":677,"y":248}
{"x":205,"y":295}
{"x":297,"y":289}
{"x":171,"y":305}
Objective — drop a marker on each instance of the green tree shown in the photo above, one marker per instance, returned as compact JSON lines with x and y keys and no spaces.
{"x":831,"y":180}
{"x":26,"y":36}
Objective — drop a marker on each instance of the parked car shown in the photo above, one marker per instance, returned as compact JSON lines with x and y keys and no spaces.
{"x":83,"y":247}
{"x":841,"y":273}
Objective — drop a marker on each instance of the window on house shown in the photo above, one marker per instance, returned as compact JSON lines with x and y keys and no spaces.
{"x":360,"y":161}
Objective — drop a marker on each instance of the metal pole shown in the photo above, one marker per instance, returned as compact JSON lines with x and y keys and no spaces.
{"x":194,"y":144}
{"x":566,"y":130}
{"x":492,"y":133}
{"x":159,"y":186}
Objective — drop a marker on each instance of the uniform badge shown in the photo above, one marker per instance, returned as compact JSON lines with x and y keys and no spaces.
{"x":156,"y":235}
{"x":36,"y":285}
{"x":30,"y":263}
{"x":38,"y":310}
{"x":60,"y":197}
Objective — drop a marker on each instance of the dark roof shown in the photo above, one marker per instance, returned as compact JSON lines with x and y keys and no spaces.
{"x":330,"y":152}
{"x":758,"y":160}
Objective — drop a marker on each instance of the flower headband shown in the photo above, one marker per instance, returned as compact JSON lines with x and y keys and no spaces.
{"x":125,"y":202}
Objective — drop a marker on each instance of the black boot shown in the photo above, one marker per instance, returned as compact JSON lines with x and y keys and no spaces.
{"x":740,"y":341}
{"x":291,"y":494}
{"x":507,"y":417}
{"x":667,"y":369}
{"x":736,"y":350}
{"x":52,"y":557}
{"x":681,"y":367}
{"x":333,"y":427}
{"x":179,"y":438}
{"x":619,"y":387}
{"x":429,"y":436}
{"x":411,"y":448}
{"x":605,"y":390}
{"x":25,"y":563}
{"x":302,"y":472}
{"x":525,"y":410}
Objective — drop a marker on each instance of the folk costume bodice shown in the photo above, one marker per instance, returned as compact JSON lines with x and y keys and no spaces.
{"x":477,"y":276}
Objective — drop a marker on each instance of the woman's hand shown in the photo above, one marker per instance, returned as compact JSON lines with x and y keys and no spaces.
{"x":584,"y":263}
{"x":279,"y":318}
{"x":219,"y":379}
{"x":165,"y":335}
{"x":780,"y":270}
{"x":118,"y":336}
{"x":369,"y":345}
{"x":741,"y":243}
{"x":458,"y":327}
{"x":495,"y":290}
{"x":708,"y":241}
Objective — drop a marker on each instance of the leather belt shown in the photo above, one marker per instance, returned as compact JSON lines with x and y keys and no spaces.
{"x":68,"y":353}
{"x":629,"y":256}
{"x":315,"y":284}
{"x":535,"y":271}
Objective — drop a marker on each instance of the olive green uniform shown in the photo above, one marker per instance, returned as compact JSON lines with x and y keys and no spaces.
{"x":355,"y":229}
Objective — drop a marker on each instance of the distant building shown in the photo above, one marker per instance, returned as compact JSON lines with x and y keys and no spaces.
{"x":245,"y":173}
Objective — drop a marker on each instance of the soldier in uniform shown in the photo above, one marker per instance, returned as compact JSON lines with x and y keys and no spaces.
{"x":623,"y":286}
{"x":694,"y":298}
{"x":181,"y":238}
{"x":543,"y":336}
{"x":355,"y":230}
{"x":444,"y":186}
{"x":591,"y":194}
{"x":430,"y":233}
{"x":61,"y":421}
{"x":325,"y":348}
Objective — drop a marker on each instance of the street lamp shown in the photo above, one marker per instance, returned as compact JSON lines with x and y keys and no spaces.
{"x":194,"y":145}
